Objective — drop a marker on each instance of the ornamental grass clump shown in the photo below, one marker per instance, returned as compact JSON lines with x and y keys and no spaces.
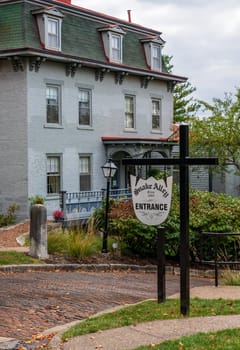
{"x":75,"y":243}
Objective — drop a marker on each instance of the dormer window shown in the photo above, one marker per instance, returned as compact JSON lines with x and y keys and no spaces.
{"x":49,"y":23}
{"x":53,"y":34}
{"x":153,"y":52}
{"x":113,"y":42}
{"x":156,"y":63}
{"x":116,"y":48}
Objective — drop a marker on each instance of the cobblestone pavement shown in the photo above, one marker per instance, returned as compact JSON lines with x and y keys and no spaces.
{"x":31,"y":302}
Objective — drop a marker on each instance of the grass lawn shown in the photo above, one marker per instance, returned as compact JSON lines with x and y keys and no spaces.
{"x":222,"y":340}
{"x":12,"y":257}
{"x":151,"y":310}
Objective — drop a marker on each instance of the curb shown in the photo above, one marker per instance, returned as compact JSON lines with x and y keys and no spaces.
{"x":102,"y":268}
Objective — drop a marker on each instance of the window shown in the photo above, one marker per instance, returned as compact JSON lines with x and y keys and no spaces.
{"x":53,"y":34}
{"x":84,"y":107}
{"x":85,"y":173}
{"x":116,"y":48}
{"x":156,"y":57}
{"x":112,"y":38}
{"x":156,"y":114}
{"x":53,"y":104}
{"x":53,"y":174}
{"x":129,"y":112}
{"x":49,"y":23}
{"x":153,"y":51}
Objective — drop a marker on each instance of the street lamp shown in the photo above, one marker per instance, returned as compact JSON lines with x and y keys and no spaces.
{"x":109,"y":169}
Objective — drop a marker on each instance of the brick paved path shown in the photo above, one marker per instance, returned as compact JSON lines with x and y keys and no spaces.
{"x":31,"y":302}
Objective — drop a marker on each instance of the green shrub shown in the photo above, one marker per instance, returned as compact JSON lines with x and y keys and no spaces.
{"x":76,"y":243}
{"x":209,"y":212}
{"x":37,"y":199}
{"x":10,"y":217}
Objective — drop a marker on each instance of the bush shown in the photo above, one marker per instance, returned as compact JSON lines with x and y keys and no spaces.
{"x":10,"y":217}
{"x":209,"y":212}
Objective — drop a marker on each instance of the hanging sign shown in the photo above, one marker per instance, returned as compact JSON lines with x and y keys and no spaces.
{"x":151,"y":199}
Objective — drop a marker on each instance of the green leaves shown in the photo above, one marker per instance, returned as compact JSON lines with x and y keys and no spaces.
{"x":218,"y":134}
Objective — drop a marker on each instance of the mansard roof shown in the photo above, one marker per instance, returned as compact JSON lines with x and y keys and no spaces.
{"x":81,"y":36}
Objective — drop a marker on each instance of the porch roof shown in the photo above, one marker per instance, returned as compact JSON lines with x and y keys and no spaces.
{"x":119,"y":140}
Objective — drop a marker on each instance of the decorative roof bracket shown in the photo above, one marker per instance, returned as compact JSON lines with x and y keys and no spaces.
{"x":100,"y":73}
{"x":145,"y":80}
{"x":34,"y":64}
{"x":17,"y":63}
{"x":119,"y":76}
{"x":71,"y":68}
{"x":171,"y":85}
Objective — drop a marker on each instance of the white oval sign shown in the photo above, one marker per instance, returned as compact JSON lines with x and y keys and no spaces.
{"x":151,"y":199}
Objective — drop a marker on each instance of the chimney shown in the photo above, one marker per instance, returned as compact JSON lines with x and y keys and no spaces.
{"x":129,"y":16}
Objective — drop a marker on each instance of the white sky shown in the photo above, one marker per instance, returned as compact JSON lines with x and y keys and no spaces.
{"x":203,"y":36}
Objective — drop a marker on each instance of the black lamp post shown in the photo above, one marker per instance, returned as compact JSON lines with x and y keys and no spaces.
{"x":109,"y":169}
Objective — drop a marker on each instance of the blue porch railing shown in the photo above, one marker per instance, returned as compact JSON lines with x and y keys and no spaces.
{"x":80,"y":205}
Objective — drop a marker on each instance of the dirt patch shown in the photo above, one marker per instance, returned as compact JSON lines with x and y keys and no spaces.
{"x":9,"y":234}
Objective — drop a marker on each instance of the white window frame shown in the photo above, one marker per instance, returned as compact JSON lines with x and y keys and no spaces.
{"x":57,"y":89}
{"x":53,"y":172}
{"x":156,"y":60}
{"x":85,"y":170}
{"x":116,"y":50}
{"x":89,"y":102}
{"x":130,"y":115}
{"x":51,"y":34}
{"x":156,"y":116}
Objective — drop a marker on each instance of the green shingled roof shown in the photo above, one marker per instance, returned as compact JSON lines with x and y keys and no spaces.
{"x":81,"y":38}
{"x":11,"y":27}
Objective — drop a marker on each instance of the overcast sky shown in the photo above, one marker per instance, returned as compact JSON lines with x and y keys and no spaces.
{"x":203,"y":36}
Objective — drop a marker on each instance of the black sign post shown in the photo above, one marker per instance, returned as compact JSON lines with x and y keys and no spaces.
{"x":184,"y":161}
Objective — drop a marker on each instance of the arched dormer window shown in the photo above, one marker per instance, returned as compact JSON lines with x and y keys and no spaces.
{"x":112,"y":37}
{"x":153,"y":52}
{"x":49,"y":22}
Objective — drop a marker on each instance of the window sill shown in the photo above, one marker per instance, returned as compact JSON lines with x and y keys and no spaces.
{"x":156,"y":132}
{"x":52,"y":196}
{"x":53,"y":126}
{"x":130,"y":130}
{"x":82,"y":127}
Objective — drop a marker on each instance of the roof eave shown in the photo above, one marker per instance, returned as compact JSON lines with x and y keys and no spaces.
{"x":59,"y":56}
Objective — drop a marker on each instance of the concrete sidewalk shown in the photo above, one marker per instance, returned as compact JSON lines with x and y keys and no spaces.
{"x":128,"y":338}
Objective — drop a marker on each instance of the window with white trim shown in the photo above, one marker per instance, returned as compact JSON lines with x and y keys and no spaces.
{"x":53,"y":33}
{"x":116,"y":48}
{"x":129,"y":112}
{"x":85,"y":172}
{"x":84,"y":107}
{"x":156,"y":57}
{"x":153,"y":51}
{"x":112,"y":38}
{"x":53,"y":104}
{"x":156,"y":114}
{"x":53,"y":174}
{"x":49,"y":23}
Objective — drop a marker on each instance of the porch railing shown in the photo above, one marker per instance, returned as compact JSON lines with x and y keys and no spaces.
{"x":80,"y":205}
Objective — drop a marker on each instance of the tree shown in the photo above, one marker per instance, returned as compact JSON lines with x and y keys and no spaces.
{"x":218,"y":134}
{"x":184,"y":104}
